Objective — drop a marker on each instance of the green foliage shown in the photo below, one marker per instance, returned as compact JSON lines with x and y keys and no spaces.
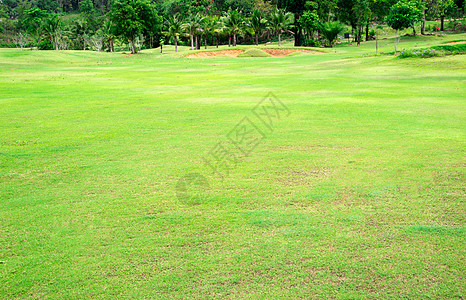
{"x":133,"y":18}
{"x":233,"y":23}
{"x":404,"y":14}
{"x":87,"y":7}
{"x":33,"y":18}
{"x":52,"y":27}
{"x":311,"y":43}
{"x":280,"y":21}
{"x":191,"y":26}
{"x":419,"y":53}
{"x":45,"y":44}
{"x":48,"y":5}
{"x":309,"y":20}
{"x":174,"y":27}
{"x":257,"y":23}
{"x":440,"y":50}
{"x":330,"y":31}
{"x":254,"y":53}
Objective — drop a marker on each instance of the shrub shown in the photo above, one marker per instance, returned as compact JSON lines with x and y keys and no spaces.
{"x":45,"y":45}
{"x":330,"y":31}
{"x":423,"y":53}
{"x":254,"y":53}
{"x":311,"y":43}
{"x":434,"y":51}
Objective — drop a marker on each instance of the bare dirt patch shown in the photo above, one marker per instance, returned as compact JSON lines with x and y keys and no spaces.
{"x":232,"y":53}
{"x":284,"y":52}
{"x":456,"y":43}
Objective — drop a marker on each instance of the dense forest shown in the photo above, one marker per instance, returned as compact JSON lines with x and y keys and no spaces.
{"x":106,"y":25}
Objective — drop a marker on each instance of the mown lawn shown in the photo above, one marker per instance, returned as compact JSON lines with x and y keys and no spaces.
{"x":358,"y":191}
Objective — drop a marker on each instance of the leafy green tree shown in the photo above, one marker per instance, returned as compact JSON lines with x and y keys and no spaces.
{"x":32,"y":21}
{"x":362,"y":10}
{"x":297,"y":7}
{"x":87,"y":7}
{"x":441,"y":9}
{"x":279,"y":22}
{"x":233,"y":22}
{"x":257,"y":22}
{"x":309,"y":21}
{"x":330,"y":31}
{"x":48,"y":5}
{"x":133,"y":18}
{"x":174,"y":28}
{"x":402,"y":15}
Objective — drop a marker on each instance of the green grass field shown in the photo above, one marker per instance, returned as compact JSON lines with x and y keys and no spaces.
{"x":358,"y":193}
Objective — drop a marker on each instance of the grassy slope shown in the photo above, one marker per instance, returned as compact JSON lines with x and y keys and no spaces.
{"x":358,"y":193}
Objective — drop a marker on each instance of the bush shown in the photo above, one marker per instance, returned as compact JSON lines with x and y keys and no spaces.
{"x":254,"y":53}
{"x":7,"y":45}
{"x":456,"y":25}
{"x":434,"y":51}
{"x":45,"y":45}
{"x":330,"y":31}
{"x":423,"y":53}
{"x":311,"y":43}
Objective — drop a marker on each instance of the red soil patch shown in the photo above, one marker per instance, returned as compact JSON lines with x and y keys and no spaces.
{"x":284,"y":52}
{"x":456,"y":43}
{"x":232,"y":53}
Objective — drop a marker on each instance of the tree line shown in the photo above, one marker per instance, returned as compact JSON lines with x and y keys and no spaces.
{"x":101,"y":24}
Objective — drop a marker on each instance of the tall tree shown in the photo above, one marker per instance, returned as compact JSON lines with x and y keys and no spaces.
{"x":362,"y":11}
{"x":309,"y":21}
{"x":108,"y":34}
{"x":80,"y":33}
{"x":233,"y":22}
{"x":297,"y":7}
{"x":174,"y":28}
{"x":205,"y":29}
{"x":402,"y":15}
{"x":191,"y":26}
{"x":52,"y":26}
{"x":280,"y":21}
{"x":133,"y":18}
{"x":257,"y":23}
{"x":32,"y":22}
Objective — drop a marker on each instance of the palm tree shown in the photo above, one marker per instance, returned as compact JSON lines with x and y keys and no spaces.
{"x":257,"y":23}
{"x":205,"y":28}
{"x":280,"y":21}
{"x":192,"y":26}
{"x":215,"y":27}
{"x":233,"y":22}
{"x":52,"y":28}
{"x":174,"y":28}
{"x":80,"y":32}
{"x":108,"y":32}
{"x":330,"y":31}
